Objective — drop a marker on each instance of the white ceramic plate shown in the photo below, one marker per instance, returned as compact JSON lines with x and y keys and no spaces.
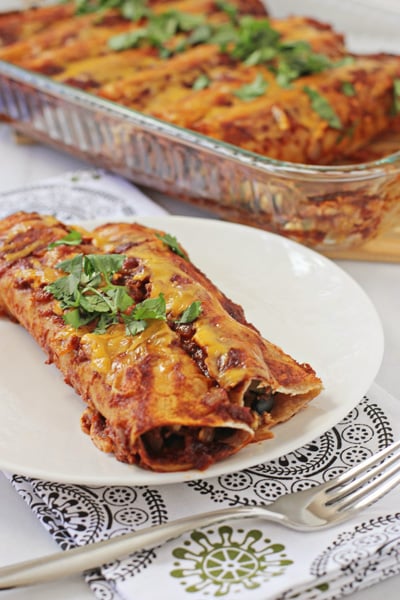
{"x":297,"y":298}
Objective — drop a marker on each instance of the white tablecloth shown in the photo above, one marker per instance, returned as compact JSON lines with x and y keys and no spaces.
{"x":21,"y":535}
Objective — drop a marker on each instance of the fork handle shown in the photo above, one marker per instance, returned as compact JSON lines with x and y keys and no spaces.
{"x":83,"y":558}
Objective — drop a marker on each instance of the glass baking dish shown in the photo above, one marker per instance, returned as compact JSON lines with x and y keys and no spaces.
{"x":325,"y":207}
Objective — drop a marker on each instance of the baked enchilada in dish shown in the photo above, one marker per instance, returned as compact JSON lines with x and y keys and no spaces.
{"x":172,"y":374}
{"x":285,"y":88}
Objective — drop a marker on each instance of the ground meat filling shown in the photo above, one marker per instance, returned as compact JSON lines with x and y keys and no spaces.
{"x":186,"y":333}
{"x":196,"y":446}
{"x":259,"y":399}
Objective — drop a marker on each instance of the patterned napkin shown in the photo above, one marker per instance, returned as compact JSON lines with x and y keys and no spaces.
{"x":250,"y":559}
{"x":80,"y":195}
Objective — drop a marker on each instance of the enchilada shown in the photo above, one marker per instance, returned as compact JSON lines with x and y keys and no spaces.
{"x":172,"y":374}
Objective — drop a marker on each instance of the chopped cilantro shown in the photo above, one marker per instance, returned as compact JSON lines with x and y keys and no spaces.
{"x":152,"y":308}
{"x":230,"y":9}
{"x":295,"y":59}
{"x":87,"y":295}
{"x":133,"y":9}
{"x":348,"y":88}
{"x":73,"y":238}
{"x":158,"y":30}
{"x":253,"y":34}
{"x":201,"y":82}
{"x":87,"y":285}
{"x":346,"y":133}
{"x":201,"y":34}
{"x":190,"y":314}
{"x":261,"y":55}
{"x":131,"y":39}
{"x":133,"y":327}
{"x":396,"y":97}
{"x":248,"y":39}
{"x":345,"y":61}
{"x":130,"y":9}
{"x":252,"y":90}
{"x":223,"y":36}
{"x":172,"y":243}
{"x":323,"y":108}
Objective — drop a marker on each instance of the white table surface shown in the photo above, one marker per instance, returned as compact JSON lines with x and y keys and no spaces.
{"x":21,"y":535}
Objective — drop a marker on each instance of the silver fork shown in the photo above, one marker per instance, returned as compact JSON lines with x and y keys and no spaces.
{"x":309,"y":510}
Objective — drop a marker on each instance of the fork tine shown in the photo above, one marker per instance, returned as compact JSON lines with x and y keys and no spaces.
{"x":384,"y":479}
{"x":363,"y":467}
{"x":369,"y":498}
{"x":354,"y":483}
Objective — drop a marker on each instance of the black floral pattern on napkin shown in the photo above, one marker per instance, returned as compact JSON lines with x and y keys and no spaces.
{"x":76,"y":515}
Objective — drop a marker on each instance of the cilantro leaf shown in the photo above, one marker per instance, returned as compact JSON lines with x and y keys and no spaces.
{"x":347,"y":132}
{"x":87,"y":294}
{"x":72,"y":265}
{"x":171,"y":241}
{"x":249,"y":39}
{"x":130,"y":9}
{"x":65,"y":291}
{"x":73,"y":238}
{"x":76,"y":318}
{"x":104,"y":322}
{"x":224,"y":35}
{"x":202,"y":82}
{"x":295,"y":59}
{"x":151,"y":308}
{"x":190,"y":314}
{"x":106,"y":264}
{"x":230,"y":9}
{"x":323,"y":108}
{"x":252,"y":90}
{"x":348,"y":88}
{"x":95,"y":302}
{"x":187,"y":22}
{"x":120,"y":298}
{"x":201,"y":34}
{"x":396,"y":97}
{"x":253,"y":34}
{"x":133,"y":327}
{"x":261,"y":55}
{"x":159,"y":29}
{"x":134,"y":9}
{"x":346,"y":61}
{"x":130,"y":39}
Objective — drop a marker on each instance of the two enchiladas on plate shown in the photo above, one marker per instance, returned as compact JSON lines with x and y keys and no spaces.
{"x":172,"y":374}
